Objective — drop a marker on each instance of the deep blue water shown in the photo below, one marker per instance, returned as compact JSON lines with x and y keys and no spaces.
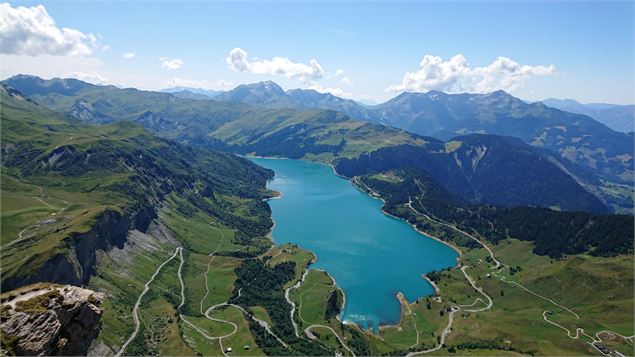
{"x":370,"y":255}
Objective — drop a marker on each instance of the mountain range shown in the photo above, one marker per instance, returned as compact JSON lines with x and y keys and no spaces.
{"x":274,"y":129}
{"x":202,"y":93}
{"x":127,"y":192}
{"x":617,"y":117}
{"x":576,"y":137}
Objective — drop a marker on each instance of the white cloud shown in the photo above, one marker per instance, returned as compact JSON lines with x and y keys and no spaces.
{"x":90,"y":77}
{"x":237,"y":61}
{"x":339,"y":72}
{"x":171,"y":64}
{"x":128,"y":55}
{"x":335,"y":91}
{"x":346,"y":81}
{"x":456,"y":75}
{"x":31,"y":31}
{"x":202,"y":84}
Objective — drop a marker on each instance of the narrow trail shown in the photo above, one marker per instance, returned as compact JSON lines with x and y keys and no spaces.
{"x":287,"y":291}
{"x":213,"y":256}
{"x":504,"y":279}
{"x":135,"y":309}
{"x":21,"y":236}
{"x":180,"y":276}
{"x":444,"y":334}
{"x":206,"y":313}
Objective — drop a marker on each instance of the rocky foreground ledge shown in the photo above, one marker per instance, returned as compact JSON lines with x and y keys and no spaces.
{"x":45,"y":319}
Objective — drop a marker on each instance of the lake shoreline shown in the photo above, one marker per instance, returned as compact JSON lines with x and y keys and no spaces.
{"x":375,"y":195}
{"x":378,"y":324}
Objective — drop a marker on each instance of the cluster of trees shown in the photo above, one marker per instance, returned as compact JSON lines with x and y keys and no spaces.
{"x":554,"y":233}
{"x":333,"y":305}
{"x":357,"y":342}
{"x":261,"y":285}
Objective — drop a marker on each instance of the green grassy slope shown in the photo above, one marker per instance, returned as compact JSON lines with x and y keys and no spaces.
{"x":60,"y":178}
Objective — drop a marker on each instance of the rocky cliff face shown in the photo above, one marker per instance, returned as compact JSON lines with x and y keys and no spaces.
{"x":76,"y":265}
{"x":43,"y":320}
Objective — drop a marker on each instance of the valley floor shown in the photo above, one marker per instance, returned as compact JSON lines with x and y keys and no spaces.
{"x":171,"y":291}
{"x":502,"y":299}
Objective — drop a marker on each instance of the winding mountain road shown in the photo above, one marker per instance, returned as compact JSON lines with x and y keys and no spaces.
{"x":307,"y":330}
{"x":135,"y":309}
{"x":497,"y":264}
{"x":480,"y":290}
{"x":495,"y":270}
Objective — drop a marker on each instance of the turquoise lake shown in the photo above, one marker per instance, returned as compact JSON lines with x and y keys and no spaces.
{"x":370,"y":255}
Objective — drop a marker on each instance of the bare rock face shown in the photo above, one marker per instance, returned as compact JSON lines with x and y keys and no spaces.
{"x":43,"y":320}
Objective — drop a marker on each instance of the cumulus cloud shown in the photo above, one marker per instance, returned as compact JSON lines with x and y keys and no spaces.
{"x":202,"y":84}
{"x":339,"y":72}
{"x":171,"y":64}
{"x":238,"y":61}
{"x":128,"y":55}
{"x":31,"y":31}
{"x":335,"y":91}
{"x":457,"y":75}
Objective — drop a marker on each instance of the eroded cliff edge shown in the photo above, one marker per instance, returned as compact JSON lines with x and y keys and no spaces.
{"x":45,"y":319}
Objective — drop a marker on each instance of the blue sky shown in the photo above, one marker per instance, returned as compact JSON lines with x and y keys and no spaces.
{"x":581,"y":50}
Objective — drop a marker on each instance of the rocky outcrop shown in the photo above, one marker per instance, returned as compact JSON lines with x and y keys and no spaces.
{"x":76,"y":265}
{"x":45,"y":320}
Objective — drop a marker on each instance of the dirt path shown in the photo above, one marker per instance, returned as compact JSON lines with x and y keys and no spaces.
{"x":262,"y":323}
{"x":180,"y":276}
{"x":307,"y":332}
{"x":480,"y":290}
{"x":21,"y":236}
{"x":135,"y":309}
{"x":444,"y":334}
{"x":213,"y":256}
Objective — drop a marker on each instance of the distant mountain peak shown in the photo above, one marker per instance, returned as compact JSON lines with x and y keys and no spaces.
{"x":266,"y":85}
{"x":499,"y":92}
